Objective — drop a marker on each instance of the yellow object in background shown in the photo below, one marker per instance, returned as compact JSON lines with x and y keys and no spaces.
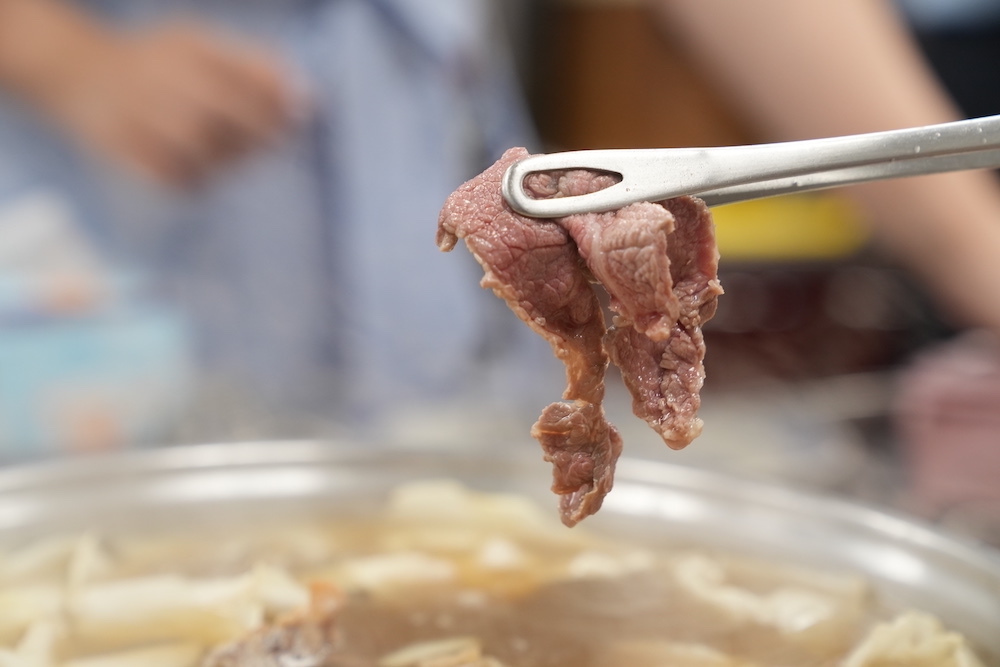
{"x":790,"y":228}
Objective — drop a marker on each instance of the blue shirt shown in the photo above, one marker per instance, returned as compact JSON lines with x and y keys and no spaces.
{"x":310,"y":271}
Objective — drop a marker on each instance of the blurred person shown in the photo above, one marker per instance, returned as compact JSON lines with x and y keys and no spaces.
{"x":310,"y":145}
{"x":277,"y":168}
{"x":802,"y":70}
{"x":805,"y":70}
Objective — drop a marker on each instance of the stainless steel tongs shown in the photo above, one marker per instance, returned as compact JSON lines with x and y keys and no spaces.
{"x":730,"y":174}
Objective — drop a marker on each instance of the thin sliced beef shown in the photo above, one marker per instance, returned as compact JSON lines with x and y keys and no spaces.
{"x":533,"y":265}
{"x":627,"y":252}
{"x":657,"y":262}
{"x":304,"y":639}
{"x":664,"y":378}
{"x":582,"y":446}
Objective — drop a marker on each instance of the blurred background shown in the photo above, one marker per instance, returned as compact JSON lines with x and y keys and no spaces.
{"x":217,"y":220}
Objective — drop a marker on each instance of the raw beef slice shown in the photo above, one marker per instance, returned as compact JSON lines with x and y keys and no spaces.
{"x":657,"y":263}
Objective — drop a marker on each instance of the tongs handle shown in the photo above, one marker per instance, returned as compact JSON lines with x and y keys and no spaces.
{"x":735,"y":173}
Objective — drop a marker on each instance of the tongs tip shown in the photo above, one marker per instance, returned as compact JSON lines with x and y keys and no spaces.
{"x":731,"y":174}
{"x":522,"y":201}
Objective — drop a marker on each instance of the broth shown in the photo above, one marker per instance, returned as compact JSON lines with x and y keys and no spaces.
{"x":445,"y":577}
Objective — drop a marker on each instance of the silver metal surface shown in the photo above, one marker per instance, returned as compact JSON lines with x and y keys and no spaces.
{"x":736,"y":173}
{"x":654,"y":502}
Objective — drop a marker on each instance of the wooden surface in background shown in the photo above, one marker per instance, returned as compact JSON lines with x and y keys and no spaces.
{"x":609,"y":77}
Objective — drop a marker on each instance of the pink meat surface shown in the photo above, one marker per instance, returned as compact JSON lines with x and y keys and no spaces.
{"x":657,"y":263}
{"x":306,"y":638}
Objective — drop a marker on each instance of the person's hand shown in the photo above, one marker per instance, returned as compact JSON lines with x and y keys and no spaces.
{"x":174,"y":102}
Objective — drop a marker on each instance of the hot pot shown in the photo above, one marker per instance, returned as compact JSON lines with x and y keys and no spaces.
{"x":908,"y":564}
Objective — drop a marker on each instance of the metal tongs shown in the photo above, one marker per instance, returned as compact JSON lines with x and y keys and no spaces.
{"x":729,"y":174}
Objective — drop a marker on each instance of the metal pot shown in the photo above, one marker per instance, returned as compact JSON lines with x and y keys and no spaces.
{"x":658,"y":503}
